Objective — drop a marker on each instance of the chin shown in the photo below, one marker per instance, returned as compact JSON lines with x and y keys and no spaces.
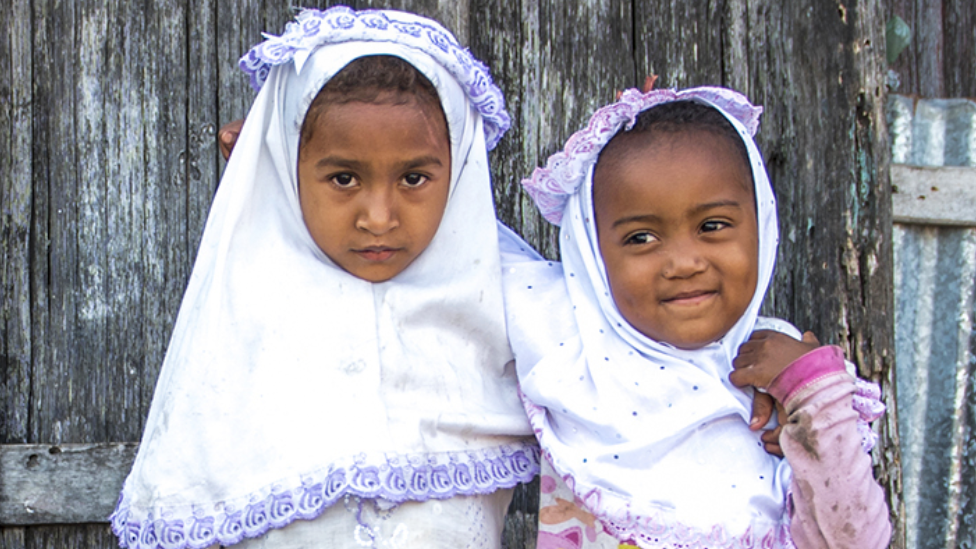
{"x":688,"y":342}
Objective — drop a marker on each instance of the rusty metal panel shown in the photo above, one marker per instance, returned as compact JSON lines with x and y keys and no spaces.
{"x":935,"y":284}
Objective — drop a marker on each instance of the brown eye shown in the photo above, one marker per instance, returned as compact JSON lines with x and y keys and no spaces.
{"x":639,"y":238}
{"x":414,"y":180}
{"x":343,"y":180}
{"x":713,"y":225}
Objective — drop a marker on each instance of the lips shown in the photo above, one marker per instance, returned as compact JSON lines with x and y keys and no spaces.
{"x":690,"y":298}
{"x":376,"y":254}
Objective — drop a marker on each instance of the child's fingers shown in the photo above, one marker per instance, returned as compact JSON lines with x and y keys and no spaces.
{"x":227,"y":137}
{"x":771,"y":441}
{"x":762,"y":410}
{"x":747,"y":355}
{"x":743,"y":377}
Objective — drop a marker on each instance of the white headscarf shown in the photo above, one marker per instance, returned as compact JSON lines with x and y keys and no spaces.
{"x":289,"y":383}
{"x":653,"y":439}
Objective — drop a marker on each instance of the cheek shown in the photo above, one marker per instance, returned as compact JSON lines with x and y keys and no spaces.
{"x":631,"y":286}
{"x":742,"y":273}
{"x":428,"y":215}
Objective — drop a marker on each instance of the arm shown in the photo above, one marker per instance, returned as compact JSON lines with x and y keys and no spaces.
{"x":835,"y":501}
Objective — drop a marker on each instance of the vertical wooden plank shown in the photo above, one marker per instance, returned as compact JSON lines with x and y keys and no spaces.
{"x":904,"y":66}
{"x":203,"y":166}
{"x":12,"y":538}
{"x":930,"y":45}
{"x":680,"y":41}
{"x":76,"y":536}
{"x":820,"y":78}
{"x":77,"y":411}
{"x":960,"y":48}
{"x":940,"y":51}
{"x":16,"y":197}
{"x":164,"y":244}
{"x":53,"y":159}
{"x":737,"y":37}
{"x":56,"y":174}
{"x":556,"y":62}
{"x":114,"y":378}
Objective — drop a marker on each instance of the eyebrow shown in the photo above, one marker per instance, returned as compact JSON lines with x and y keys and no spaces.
{"x":697,"y":209}
{"x":427,"y":160}
{"x":717,"y":204}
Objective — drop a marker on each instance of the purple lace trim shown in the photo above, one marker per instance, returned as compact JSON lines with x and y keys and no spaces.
{"x":867,"y":403}
{"x":313,"y":28}
{"x":566,"y":170}
{"x":406,"y":478}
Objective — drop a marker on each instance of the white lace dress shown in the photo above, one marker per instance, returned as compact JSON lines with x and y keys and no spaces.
{"x":463,"y":522}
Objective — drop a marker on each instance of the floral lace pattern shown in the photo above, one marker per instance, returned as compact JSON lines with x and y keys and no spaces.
{"x":565,"y":171}
{"x":867,"y":403}
{"x":398,"y":478}
{"x":313,"y":28}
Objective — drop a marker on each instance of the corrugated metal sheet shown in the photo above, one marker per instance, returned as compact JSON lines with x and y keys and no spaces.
{"x":935,"y":284}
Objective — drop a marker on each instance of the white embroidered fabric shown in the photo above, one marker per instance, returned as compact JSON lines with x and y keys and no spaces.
{"x":463,"y":522}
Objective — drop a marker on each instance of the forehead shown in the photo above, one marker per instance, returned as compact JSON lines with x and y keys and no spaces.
{"x":667,"y":168}
{"x":354,"y":124}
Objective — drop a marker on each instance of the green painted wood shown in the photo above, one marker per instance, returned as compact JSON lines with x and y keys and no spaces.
{"x":940,"y":61}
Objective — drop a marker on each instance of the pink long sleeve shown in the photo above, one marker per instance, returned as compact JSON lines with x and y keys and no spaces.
{"x":835,"y":501}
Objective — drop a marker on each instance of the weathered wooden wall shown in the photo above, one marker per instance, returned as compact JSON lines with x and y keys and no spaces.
{"x":941,"y":59}
{"x":108,"y":162}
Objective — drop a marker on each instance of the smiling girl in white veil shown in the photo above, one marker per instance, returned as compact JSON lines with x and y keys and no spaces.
{"x":668,"y":240}
{"x":339,"y":373}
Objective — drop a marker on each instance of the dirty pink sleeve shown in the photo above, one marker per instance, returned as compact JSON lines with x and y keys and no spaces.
{"x":810,"y":367}
{"x":835,"y":501}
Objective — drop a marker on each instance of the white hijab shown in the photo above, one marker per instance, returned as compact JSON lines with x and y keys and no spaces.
{"x":653,"y":439}
{"x":289,"y":383}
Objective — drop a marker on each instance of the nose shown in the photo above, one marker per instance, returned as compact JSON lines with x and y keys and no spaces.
{"x":685,"y":260}
{"x":377,"y":212}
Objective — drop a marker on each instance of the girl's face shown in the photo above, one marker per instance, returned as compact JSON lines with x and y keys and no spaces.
{"x":677,"y":229}
{"x":373,"y":182}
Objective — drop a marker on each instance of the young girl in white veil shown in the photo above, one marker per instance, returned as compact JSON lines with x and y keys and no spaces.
{"x":640,"y":397}
{"x":339,"y":374}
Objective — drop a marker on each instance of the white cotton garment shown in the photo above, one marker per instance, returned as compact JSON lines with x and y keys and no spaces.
{"x":653,"y":440}
{"x":289,"y":384}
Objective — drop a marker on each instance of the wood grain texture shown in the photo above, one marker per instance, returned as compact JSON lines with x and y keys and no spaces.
{"x":959,"y":39}
{"x":556,"y":62}
{"x":940,"y":61}
{"x":108,"y":165}
{"x":71,"y":483}
{"x":16,"y":198}
{"x":943,"y":196}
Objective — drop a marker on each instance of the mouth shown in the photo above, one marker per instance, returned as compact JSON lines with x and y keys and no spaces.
{"x":376,"y":254}
{"x":690,"y":298}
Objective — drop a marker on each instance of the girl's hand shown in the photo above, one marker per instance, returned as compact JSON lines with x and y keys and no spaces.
{"x":763,"y":406}
{"x":227,"y":137}
{"x":765,"y":355}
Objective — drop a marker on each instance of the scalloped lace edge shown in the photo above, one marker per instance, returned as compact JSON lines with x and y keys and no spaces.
{"x":551,"y":186}
{"x":313,"y":28}
{"x":401,"y":478}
